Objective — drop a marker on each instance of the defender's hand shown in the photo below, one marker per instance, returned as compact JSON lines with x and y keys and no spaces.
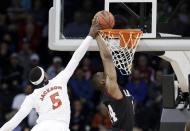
{"x":94,"y":27}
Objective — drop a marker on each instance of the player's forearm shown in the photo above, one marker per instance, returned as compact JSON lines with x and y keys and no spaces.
{"x":104,"y":52}
{"x":14,"y":122}
{"x":76,"y":58}
{"x":106,"y":57}
{"x":7,"y":127}
{"x":81,"y":51}
{"x":24,"y":110}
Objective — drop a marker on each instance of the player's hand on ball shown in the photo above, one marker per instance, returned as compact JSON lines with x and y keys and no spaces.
{"x":102,"y":20}
{"x":94,"y":28}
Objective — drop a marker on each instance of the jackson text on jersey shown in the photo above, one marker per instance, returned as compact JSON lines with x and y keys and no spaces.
{"x":49,"y":90}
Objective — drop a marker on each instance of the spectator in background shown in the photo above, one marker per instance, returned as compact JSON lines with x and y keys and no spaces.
{"x":101,"y":120}
{"x":137,"y":87}
{"x":12,"y":30}
{"x":15,"y":10}
{"x":2,"y":25}
{"x":81,"y":88}
{"x":30,"y":31}
{"x":4,"y":54}
{"x":34,"y":60}
{"x":24,"y":57}
{"x":4,"y":89}
{"x":25,"y":52}
{"x":184,"y":19}
{"x":145,"y":72}
{"x":26,"y":4}
{"x":55,"y":68}
{"x":1,"y":115}
{"x":154,"y":102}
{"x":165,"y":67}
{"x":78,"y":118}
{"x":87,"y":68}
{"x":13,"y":74}
{"x":39,"y":12}
{"x":7,"y":38}
{"x":155,"y":88}
{"x":45,"y":32}
{"x":148,"y":113}
{"x":15,"y":13}
{"x":32,"y":36}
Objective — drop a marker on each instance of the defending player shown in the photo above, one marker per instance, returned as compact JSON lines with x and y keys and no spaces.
{"x":117,"y":101}
{"x":50,"y":99}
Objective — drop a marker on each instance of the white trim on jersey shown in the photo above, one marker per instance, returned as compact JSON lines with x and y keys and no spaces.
{"x":126,"y":92}
{"x":41,"y":78}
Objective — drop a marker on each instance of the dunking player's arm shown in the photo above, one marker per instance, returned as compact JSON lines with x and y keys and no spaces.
{"x":109,"y":70}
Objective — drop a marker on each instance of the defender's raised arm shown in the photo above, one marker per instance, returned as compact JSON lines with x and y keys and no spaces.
{"x":79,"y":53}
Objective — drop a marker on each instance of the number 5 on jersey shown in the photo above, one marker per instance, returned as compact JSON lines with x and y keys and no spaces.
{"x":55,"y":101}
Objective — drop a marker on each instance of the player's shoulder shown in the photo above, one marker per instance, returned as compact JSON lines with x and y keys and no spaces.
{"x":57,"y":80}
{"x":54,"y":78}
{"x":36,"y":92}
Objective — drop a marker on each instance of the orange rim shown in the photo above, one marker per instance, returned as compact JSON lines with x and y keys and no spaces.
{"x":126,"y":36}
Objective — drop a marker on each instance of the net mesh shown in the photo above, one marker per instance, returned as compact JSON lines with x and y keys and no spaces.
{"x":122,"y":45}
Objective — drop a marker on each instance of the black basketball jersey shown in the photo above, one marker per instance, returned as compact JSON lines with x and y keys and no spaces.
{"x":120,"y":111}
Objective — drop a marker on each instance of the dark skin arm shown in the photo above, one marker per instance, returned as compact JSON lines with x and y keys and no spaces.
{"x":109,"y":69}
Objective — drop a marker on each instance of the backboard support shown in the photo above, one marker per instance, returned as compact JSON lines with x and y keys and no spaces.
{"x":180,"y":61}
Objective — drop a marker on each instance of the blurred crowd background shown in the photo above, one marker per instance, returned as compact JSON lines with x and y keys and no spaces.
{"x":24,"y":45}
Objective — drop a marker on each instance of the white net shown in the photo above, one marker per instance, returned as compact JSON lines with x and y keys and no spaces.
{"x":122,"y":56}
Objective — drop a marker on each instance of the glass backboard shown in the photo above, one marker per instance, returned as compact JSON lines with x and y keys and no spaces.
{"x":165,"y":23}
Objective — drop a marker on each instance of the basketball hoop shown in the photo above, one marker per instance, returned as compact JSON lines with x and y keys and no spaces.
{"x":122,"y":44}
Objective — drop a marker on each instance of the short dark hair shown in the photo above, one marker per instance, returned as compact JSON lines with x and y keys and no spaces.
{"x":35,"y":74}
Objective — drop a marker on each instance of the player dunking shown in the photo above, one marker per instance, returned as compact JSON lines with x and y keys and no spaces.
{"x":117,"y":101}
{"x":50,"y":99}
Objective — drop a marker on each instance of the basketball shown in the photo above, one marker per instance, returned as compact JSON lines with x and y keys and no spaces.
{"x":105,"y":19}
